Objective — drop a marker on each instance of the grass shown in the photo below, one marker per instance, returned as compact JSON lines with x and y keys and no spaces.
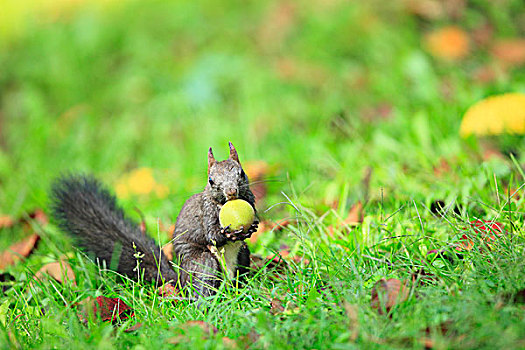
{"x":319,"y":91}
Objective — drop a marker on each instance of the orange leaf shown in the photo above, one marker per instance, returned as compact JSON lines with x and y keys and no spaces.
{"x":267,"y":226}
{"x":168,"y":291}
{"x":168,"y":251}
{"x":388,"y":293}
{"x":355,"y":215}
{"x":510,"y":51}
{"x":59,"y":270}
{"x":18,"y":250}
{"x":449,"y":43}
{"x":6,"y":221}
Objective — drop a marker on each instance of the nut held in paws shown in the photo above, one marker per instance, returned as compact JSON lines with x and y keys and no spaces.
{"x":236,"y":213}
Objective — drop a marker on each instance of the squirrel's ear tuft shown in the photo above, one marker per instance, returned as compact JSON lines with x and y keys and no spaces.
{"x":233,"y":153}
{"x":211,"y":159}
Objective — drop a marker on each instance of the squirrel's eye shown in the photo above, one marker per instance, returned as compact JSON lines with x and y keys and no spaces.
{"x":210,"y":181}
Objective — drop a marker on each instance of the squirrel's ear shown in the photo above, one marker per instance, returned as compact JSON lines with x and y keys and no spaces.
{"x":211,"y":159}
{"x":233,"y":153}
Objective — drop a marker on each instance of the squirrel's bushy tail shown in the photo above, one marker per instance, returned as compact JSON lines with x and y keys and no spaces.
{"x":85,"y":209}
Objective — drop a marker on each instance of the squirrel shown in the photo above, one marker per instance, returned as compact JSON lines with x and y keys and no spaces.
{"x":204,"y":251}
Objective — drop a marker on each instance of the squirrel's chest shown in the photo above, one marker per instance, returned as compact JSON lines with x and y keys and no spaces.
{"x":228,"y":256}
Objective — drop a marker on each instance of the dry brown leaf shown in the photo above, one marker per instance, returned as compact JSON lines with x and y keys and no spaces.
{"x":509,"y":51}
{"x":267,"y":226}
{"x":355,"y":215}
{"x":168,"y":291}
{"x":277,"y":26}
{"x":109,"y":309}
{"x":482,"y":35}
{"x":276,"y":306}
{"x":133,"y":328}
{"x":39,"y":216}
{"x":293,"y":69}
{"x":353,"y":320}
{"x":6,"y":221}
{"x":388,"y":293}
{"x":429,"y":9}
{"x":257,"y":171}
{"x":59,"y":270}
{"x":442,"y":168}
{"x":449,"y":43}
{"x":18,"y":250}
{"x":182,"y":330}
{"x":380,"y":112}
{"x":486,"y":74}
{"x":168,"y":251}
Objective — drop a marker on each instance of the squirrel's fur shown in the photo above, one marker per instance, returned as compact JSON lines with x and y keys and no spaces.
{"x":85,"y":209}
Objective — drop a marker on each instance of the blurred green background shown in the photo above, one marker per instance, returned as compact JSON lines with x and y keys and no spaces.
{"x":319,"y":90}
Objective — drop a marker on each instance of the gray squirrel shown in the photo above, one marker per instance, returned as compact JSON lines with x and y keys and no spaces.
{"x":204,"y":252}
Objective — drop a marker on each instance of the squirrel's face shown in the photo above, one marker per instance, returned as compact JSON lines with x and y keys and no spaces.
{"x":227,"y":181}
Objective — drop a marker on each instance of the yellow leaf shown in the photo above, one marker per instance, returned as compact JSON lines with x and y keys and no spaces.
{"x":161,"y":191}
{"x":495,"y":115}
{"x":141,"y":181}
{"x":449,"y":43}
{"x":122,"y":189}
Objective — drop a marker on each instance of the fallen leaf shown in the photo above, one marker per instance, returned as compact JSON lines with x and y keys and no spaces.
{"x":487,"y":231}
{"x":18,"y":250}
{"x":257,"y":172}
{"x":486,"y":74}
{"x":442,"y":168}
{"x":429,"y":9}
{"x":133,"y":328}
{"x":168,"y":291}
{"x":509,"y":51}
{"x":482,"y":35}
{"x":204,"y":326}
{"x":168,"y":251}
{"x":388,"y":293}
{"x":39,"y":216}
{"x":355,"y":215}
{"x":305,"y":72}
{"x":454,"y":8}
{"x":448,"y":43}
{"x":183,"y":329}
{"x":276,"y":306}
{"x":6,"y":221}
{"x":495,"y":115}
{"x":140,"y":182}
{"x":277,"y":25}
{"x":109,"y":309}
{"x":267,"y":226}
{"x":59,"y":270}
{"x":380,"y":112}
{"x":275,"y":267}
{"x":353,"y":320}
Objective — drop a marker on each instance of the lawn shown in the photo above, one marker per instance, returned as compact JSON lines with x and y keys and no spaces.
{"x":396,"y":232}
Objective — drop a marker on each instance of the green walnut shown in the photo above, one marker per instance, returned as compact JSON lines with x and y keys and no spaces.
{"x":237,"y":213}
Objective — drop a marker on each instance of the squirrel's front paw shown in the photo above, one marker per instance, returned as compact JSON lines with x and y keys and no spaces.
{"x":240,"y":234}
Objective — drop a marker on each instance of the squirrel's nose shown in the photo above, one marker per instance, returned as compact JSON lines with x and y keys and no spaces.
{"x":231,"y":193}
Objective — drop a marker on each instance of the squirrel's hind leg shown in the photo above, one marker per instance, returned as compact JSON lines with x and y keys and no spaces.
{"x":201,"y":271}
{"x":243,"y":263}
